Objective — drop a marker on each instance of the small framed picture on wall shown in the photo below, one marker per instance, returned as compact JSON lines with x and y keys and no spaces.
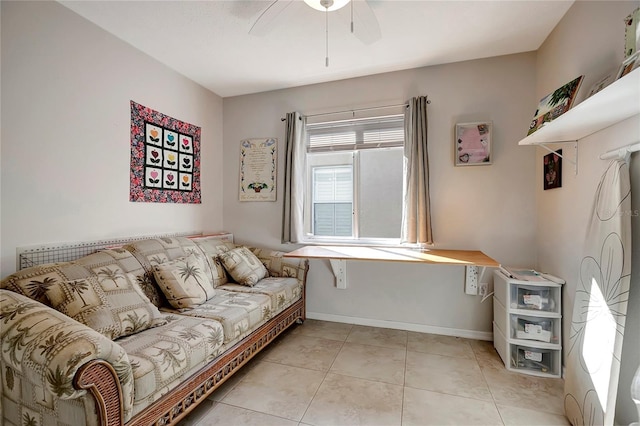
{"x":472,"y":145}
{"x":629,"y":64}
{"x":552,"y":170}
{"x":632,"y":33}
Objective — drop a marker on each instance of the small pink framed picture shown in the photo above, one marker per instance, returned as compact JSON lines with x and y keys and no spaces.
{"x":472,"y":146}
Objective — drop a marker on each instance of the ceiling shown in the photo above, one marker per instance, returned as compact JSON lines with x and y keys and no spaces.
{"x":209,"y":41}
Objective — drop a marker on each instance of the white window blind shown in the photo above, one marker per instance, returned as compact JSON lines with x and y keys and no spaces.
{"x":333,"y":201}
{"x":354,"y":179}
{"x":333,"y":184}
{"x":356,"y":134}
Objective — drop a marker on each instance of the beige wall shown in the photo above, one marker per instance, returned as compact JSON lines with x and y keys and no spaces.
{"x":66,"y":87}
{"x":588,"y":41}
{"x":488,"y":208}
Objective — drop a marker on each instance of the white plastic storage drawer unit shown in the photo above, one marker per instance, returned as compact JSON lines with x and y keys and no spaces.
{"x":527,"y":325}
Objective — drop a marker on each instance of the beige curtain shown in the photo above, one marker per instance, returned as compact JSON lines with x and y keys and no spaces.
{"x":292,"y":215}
{"x":416,"y":216}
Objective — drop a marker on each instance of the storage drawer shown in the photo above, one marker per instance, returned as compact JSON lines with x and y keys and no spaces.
{"x":535,"y":328}
{"x":535,"y":359}
{"x":501,"y":288}
{"x":500,"y":317}
{"x":534,"y":297}
{"x":500,"y":343}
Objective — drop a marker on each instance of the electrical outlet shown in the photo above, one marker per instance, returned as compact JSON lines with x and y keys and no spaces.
{"x":483,"y":289}
{"x":471,"y":280}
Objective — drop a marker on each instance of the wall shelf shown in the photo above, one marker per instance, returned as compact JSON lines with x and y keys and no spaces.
{"x":616,"y":102}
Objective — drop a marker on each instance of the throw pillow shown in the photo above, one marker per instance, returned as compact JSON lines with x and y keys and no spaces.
{"x":213,"y":247}
{"x":243,"y":266}
{"x":184,"y":282}
{"x":112,"y":310}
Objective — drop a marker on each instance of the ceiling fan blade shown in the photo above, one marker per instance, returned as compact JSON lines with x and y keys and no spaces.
{"x":365,"y":23}
{"x":265,"y":21}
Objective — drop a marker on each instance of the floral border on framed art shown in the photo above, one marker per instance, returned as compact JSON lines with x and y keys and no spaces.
{"x":472,"y":145}
{"x":165,"y":158}
{"x":258,"y":168}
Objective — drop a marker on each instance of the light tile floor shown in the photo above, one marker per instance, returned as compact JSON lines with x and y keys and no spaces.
{"x":325,"y":373}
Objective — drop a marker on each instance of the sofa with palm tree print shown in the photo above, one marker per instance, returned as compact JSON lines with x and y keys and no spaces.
{"x":139,"y":334}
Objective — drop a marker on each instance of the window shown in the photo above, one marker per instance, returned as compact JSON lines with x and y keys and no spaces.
{"x":354,"y":179}
{"x":332,"y":192}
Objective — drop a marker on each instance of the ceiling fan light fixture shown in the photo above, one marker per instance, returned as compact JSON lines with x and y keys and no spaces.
{"x":321,"y":4}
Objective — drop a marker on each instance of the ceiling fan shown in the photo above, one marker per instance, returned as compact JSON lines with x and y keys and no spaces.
{"x":364,"y":24}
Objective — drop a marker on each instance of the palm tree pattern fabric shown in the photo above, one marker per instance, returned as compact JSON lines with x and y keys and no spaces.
{"x":184,"y":282}
{"x":283,"y":291}
{"x":213,"y":247}
{"x":239,"y":313}
{"x":41,"y":348}
{"x":243,"y":266}
{"x":280,"y":266}
{"x":285,"y":282}
{"x":113,"y":305}
{"x":33,"y":282}
{"x":163,"y":356}
{"x":600,"y":304}
{"x":155,"y":251}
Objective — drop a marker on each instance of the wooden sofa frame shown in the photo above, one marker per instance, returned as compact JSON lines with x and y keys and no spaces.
{"x":100,"y":380}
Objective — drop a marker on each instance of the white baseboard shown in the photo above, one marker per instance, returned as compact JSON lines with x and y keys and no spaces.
{"x":421,"y":328}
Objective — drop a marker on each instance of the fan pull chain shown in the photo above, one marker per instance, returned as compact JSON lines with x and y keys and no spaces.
{"x":351,"y":4}
{"x":326,"y":59}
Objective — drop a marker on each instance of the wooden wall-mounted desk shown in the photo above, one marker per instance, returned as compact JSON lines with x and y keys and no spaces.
{"x":338,"y":256}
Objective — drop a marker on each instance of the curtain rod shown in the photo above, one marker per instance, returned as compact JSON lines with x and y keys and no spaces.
{"x":406,"y":105}
{"x":621,"y":152}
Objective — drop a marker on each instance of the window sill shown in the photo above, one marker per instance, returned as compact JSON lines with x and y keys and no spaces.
{"x":362,"y":242}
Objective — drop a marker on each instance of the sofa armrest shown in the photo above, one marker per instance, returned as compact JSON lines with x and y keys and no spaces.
{"x":48,"y":349}
{"x":280,"y":266}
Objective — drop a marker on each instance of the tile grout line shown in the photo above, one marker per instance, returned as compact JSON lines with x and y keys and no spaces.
{"x":197,"y":422}
{"x":493,"y":398}
{"x":326,"y":373}
{"x":479,"y":355}
{"x":404,"y":380}
{"x":253,"y":411}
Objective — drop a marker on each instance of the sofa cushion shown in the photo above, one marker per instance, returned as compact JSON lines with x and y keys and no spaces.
{"x":34,"y":281}
{"x":239,"y":313}
{"x":111,"y":264}
{"x":159,"y":250}
{"x":112,"y":307}
{"x":184,"y":281}
{"x":280,"y":266}
{"x":213,"y":247}
{"x":243,"y":266}
{"x":283,"y":291}
{"x":164,"y":356}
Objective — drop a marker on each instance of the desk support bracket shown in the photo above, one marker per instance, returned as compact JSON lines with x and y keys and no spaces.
{"x":339,"y":267}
